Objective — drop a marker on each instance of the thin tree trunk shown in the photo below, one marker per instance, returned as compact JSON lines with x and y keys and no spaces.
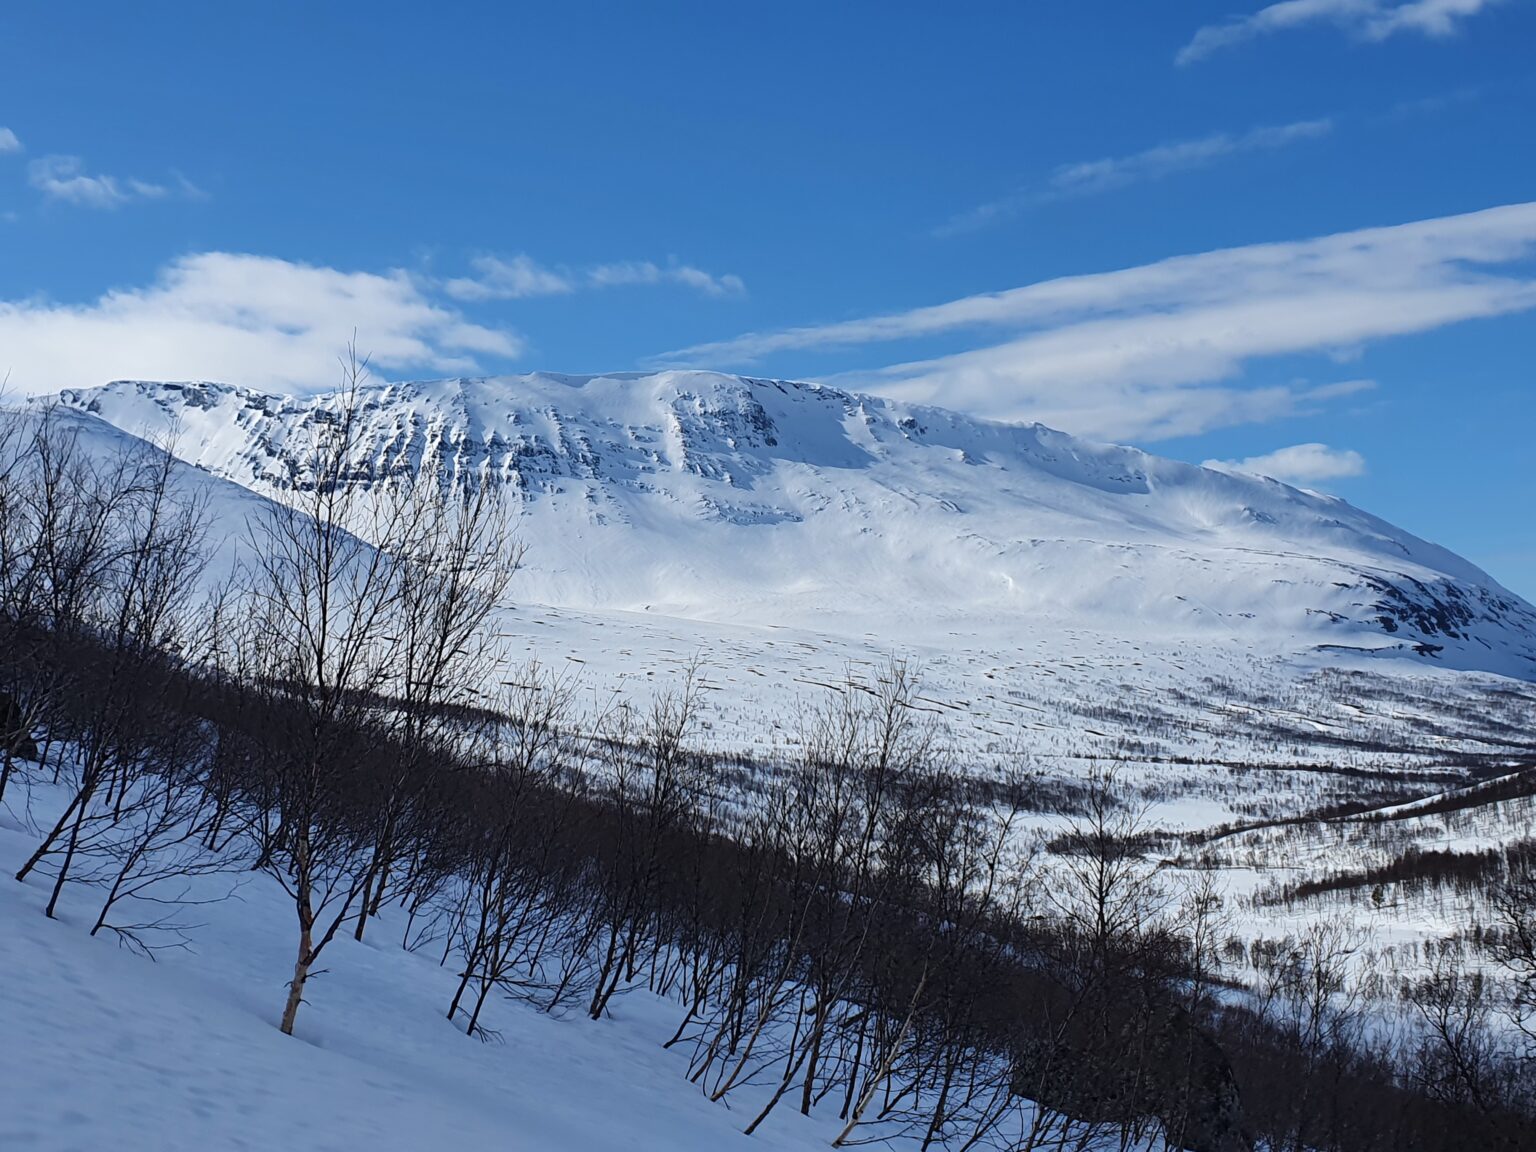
{"x":853,"y":1073}
{"x":46,"y":846}
{"x":474,"y":1017}
{"x":610,"y":966}
{"x":687,"y":1020}
{"x":937,"y":1120}
{"x":69,"y":856}
{"x":883,"y":1069}
{"x":306,"y":913}
{"x":362,"y":909}
{"x":117,"y":885}
{"x":296,"y":985}
{"x":810,"y":1072}
{"x":381,"y":885}
{"x":793,"y":1062}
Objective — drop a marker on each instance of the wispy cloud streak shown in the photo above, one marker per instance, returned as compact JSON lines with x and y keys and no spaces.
{"x":64,"y":179}
{"x":1159,"y":350}
{"x":1364,"y":19}
{"x":1088,"y":177}
{"x":515,"y":278}
{"x":520,"y":277}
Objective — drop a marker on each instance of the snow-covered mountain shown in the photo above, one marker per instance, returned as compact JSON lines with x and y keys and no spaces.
{"x":730,"y":499}
{"x":1243,"y":654}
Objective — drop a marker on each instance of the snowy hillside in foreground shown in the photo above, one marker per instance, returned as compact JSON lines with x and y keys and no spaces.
{"x":101,"y":1048}
{"x":725,"y":499}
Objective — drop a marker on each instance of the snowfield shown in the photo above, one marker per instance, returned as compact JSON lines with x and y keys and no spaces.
{"x":724,"y":499}
{"x":1074,"y":602}
{"x":102,"y":1048}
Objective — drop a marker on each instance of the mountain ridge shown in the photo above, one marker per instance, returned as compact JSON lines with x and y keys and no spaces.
{"x":716,"y":497}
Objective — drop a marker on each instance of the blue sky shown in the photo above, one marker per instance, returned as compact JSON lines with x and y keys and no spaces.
{"x":1300,"y":235}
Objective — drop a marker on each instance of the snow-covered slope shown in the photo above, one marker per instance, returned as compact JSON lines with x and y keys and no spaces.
{"x":727,"y":499}
{"x":1097,"y":602}
{"x":101,"y":1048}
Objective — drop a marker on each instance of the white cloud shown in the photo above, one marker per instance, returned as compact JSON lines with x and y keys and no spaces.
{"x":253,"y":320}
{"x":646,"y":272}
{"x":1158,"y":350}
{"x":1097,"y":175}
{"x":1365,"y":19}
{"x":9,"y":142}
{"x":1299,"y":464}
{"x":1091,"y":176}
{"x":513,"y":279}
{"x":186,"y":188}
{"x":521,"y":276}
{"x":64,"y":178}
